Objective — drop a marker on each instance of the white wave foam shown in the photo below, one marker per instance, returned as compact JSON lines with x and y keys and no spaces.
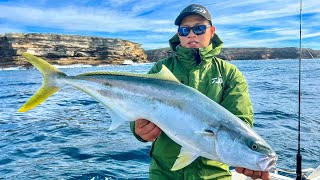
{"x":13,"y":68}
{"x":73,"y":66}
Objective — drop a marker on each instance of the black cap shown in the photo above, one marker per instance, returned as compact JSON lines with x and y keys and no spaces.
{"x":193,"y":9}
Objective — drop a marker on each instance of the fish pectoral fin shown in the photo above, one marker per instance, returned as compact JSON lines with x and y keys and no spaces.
{"x":184,"y":159}
{"x":116,"y":120}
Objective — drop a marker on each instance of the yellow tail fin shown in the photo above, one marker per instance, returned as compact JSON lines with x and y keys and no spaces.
{"x":49,"y":87}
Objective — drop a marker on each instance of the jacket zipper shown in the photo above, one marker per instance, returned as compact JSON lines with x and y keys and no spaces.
{"x":197,"y":56}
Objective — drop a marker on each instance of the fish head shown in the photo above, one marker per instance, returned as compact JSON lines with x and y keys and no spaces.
{"x":244,"y":149}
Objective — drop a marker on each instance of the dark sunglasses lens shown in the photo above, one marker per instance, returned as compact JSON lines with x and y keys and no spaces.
{"x":183,"y":31}
{"x":198,"y":30}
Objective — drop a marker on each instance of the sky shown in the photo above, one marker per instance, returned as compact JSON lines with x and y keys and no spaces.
{"x":245,"y":23}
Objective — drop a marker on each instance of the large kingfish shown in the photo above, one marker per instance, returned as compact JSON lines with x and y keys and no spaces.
{"x":201,"y":126}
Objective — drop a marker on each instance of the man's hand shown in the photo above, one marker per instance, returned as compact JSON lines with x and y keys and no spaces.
{"x":253,"y":174}
{"x":146,"y":130}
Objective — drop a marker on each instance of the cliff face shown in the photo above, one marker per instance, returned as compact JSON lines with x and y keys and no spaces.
{"x":245,"y":53}
{"x":267,"y":53}
{"x":68,"y":49}
{"x":158,"y":54}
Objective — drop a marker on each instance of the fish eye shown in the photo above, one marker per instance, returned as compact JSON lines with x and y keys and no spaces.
{"x":254,"y":146}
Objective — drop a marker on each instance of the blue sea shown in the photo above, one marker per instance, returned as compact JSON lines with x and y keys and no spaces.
{"x":67,"y":136}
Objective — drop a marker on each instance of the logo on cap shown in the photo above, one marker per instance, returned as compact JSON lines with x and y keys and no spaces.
{"x":198,"y":9}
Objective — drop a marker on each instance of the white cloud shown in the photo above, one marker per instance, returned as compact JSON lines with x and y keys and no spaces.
{"x":235,"y":4}
{"x":256,"y":15}
{"x":145,"y":5}
{"x":118,"y":3}
{"x":79,"y":19}
{"x":162,"y":22}
{"x":241,"y":23}
{"x":311,"y":35}
{"x":242,"y":39}
{"x":280,"y":31}
{"x":72,"y":18}
{"x":168,"y":30}
{"x":270,"y":10}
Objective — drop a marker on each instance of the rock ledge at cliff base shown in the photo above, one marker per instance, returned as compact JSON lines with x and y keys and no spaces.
{"x":68,"y":49}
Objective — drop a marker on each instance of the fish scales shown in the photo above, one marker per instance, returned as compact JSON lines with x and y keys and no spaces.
{"x":202,"y":129}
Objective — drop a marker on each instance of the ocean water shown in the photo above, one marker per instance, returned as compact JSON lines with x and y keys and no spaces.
{"x":67,"y":137}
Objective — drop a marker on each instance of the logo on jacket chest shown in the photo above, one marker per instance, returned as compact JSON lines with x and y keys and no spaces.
{"x":217,"y":80}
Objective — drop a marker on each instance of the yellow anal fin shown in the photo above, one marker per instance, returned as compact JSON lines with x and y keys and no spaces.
{"x":184,"y":159}
{"x":41,"y":95}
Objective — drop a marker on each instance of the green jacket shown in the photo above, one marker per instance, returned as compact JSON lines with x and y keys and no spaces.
{"x":220,"y":81}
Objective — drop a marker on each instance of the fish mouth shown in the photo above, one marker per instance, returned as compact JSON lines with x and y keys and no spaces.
{"x":268,"y":163}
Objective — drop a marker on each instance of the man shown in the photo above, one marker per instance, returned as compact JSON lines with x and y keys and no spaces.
{"x":194,"y":64}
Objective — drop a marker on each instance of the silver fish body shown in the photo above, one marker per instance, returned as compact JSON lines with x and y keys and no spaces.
{"x":201,"y":126}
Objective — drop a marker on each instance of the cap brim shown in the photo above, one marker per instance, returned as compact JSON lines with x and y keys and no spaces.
{"x":183,"y":15}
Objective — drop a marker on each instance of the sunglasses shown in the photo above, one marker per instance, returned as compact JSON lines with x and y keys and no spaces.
{"x":197,"y":30}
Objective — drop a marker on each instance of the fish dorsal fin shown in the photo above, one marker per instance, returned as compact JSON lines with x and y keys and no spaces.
{"x":184,"y":159}
{"x":164,"y":74}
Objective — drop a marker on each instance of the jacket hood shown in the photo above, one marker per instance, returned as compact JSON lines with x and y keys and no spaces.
{"x":215,"y":42}
{"x":192,"y":57}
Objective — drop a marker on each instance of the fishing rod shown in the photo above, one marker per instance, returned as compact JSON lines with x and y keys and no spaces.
{"x":299,"y":156}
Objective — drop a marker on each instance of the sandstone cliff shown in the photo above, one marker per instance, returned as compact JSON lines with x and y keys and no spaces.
{"x":245,"y":53}
{"x":267,"y":53}
{"x":68,"y":49}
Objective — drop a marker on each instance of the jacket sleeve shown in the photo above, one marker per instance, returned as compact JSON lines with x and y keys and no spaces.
{"x":236,"y":96}
{"x":153,"y":70}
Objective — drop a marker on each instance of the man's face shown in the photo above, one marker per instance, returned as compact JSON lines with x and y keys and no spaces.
{"x":192,"y":40}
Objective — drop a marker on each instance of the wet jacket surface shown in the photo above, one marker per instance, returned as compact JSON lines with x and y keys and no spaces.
{"x":220,"y":81}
